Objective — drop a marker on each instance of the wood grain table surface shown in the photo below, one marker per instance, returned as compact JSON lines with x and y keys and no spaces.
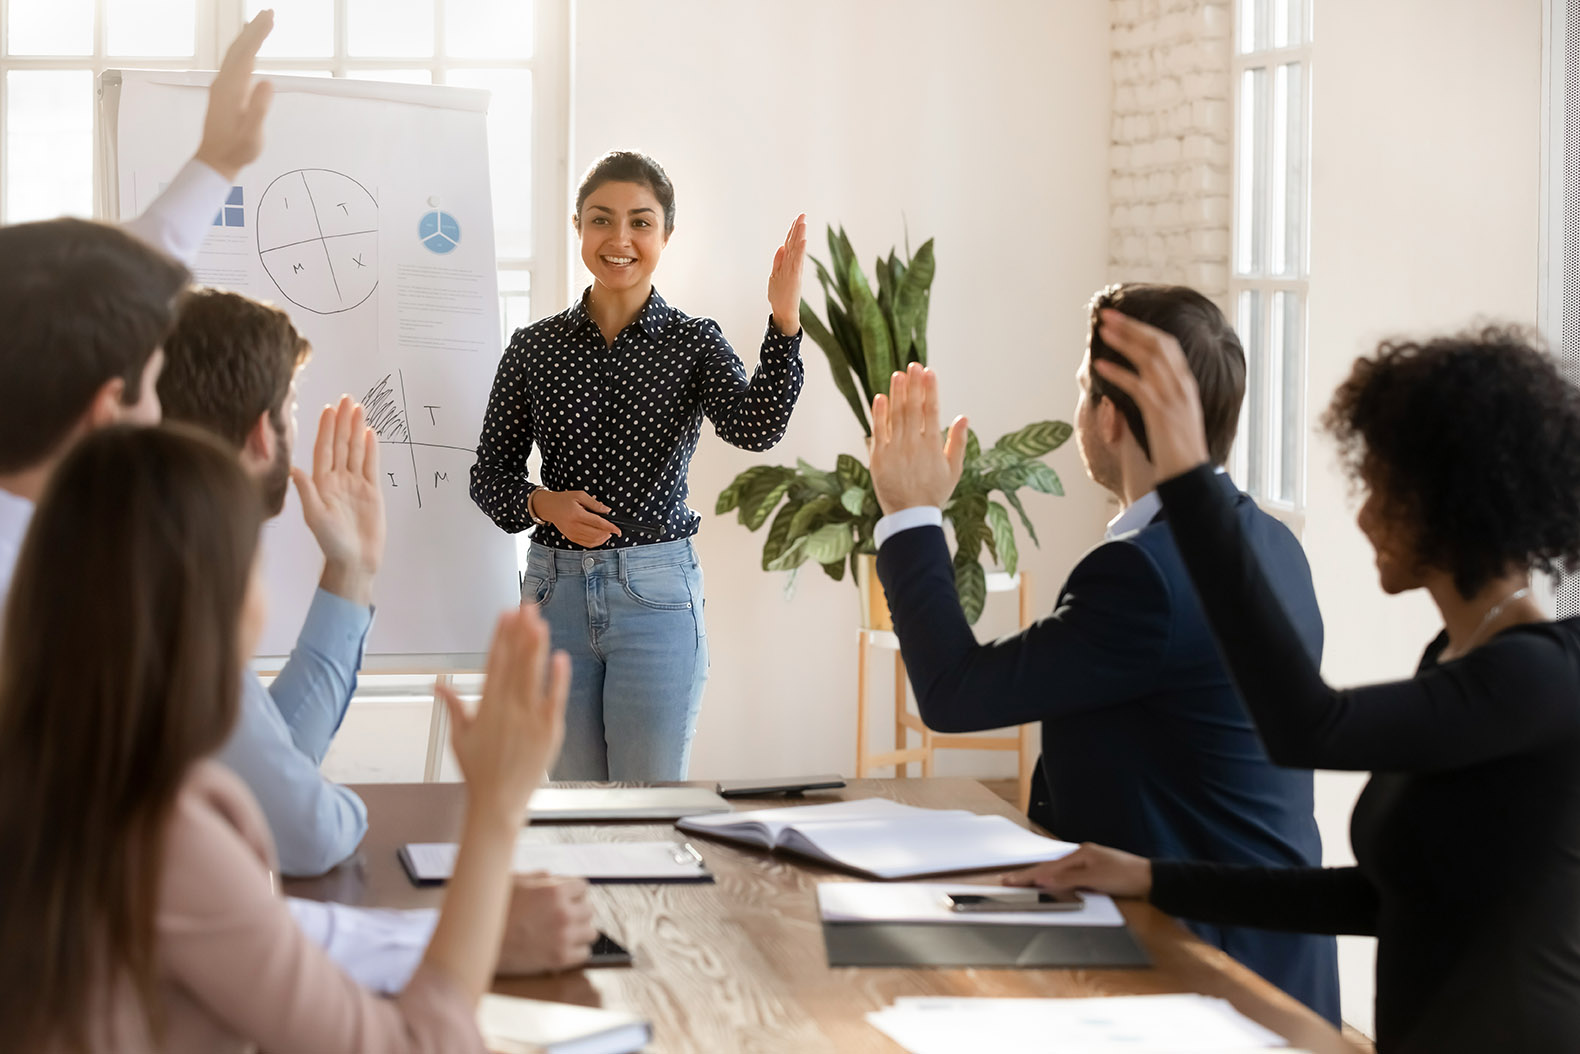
{"x":739,"y":964}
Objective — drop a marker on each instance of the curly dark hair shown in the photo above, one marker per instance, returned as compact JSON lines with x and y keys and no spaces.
{"x":1473,"y":442}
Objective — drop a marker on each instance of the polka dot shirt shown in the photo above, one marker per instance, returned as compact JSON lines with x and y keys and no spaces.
{"x":622,"y":422}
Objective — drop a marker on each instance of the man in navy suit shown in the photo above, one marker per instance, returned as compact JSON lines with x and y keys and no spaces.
{"x":1146,"y":745}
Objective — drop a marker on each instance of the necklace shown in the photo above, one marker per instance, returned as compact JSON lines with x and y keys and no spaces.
{"x":1496,"y":610}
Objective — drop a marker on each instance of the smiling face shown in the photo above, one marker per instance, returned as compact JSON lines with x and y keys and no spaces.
{"x":622,"y":234}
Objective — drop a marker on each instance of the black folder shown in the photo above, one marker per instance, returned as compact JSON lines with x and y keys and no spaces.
{"x":960,"y":945}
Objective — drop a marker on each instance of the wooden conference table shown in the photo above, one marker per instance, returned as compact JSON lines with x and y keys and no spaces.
{"x":739,"y":964}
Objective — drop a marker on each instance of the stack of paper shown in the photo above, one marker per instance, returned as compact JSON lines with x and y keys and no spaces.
{"x":928,"y":902}
{"x":1154,"y":1024}
{"x":884,"y":839}
{"x":532,"y":1026}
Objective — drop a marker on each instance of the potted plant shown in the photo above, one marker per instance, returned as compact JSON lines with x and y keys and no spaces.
{"x":828,"y":517}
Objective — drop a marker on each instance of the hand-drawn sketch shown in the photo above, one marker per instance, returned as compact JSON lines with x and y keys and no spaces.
{"x":384,"y":406}
{"x":318,"y":239}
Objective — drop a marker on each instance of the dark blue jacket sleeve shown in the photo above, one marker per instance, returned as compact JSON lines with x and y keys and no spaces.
{"x":1101,"y":645}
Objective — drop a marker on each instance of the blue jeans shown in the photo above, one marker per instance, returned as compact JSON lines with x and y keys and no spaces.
{"x":631,"y":620}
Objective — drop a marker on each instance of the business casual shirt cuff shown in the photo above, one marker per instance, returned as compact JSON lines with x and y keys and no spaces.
{"x":904,"y":520}
{"x":337,"y":629}
{"x":180,"y":218}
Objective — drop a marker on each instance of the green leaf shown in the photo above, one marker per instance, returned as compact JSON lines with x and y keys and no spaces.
{"x":852,"y":473}
{"x":756,"y":505}
{"x":1040,"y":477}
{"x":779,"y":534}
{"x":829,"y":543}
{"x":968,"y":513}
{"x":818,"y":480}
{"x":793,"y":557}
{"x":849,"y":341}
{"x":835,"y":569}
{"x":808,"y":515}
{"x":910,"y":302}
{"x":729,"y":497}
{"x":853,"y":500}
{"x":742,"y":484}
{"x":1025,"y":521}
{"x":920,"y":349}
{"x":1035,"y":439}
{"x":998,"y":458}
{"x":973,"y":446}
{"x":971,"y":584}
{"x":876,"y":346}
{"x":838,"y":365}
{"x":833,"y":290}
{"x":839,"y":256}
{"x":1003,"y":536}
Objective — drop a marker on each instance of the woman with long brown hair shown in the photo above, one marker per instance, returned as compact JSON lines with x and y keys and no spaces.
{"x":137,"y":900}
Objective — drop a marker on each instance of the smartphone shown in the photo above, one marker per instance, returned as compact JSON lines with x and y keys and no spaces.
{"x":606,"y":951}
{"x":1018,"y":900}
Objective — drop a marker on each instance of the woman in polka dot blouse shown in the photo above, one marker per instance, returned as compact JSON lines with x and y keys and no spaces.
{"x":613,"y":391}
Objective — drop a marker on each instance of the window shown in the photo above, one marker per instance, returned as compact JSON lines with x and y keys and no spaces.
{"x":1268,"y":286}
{"x":52,"y":51}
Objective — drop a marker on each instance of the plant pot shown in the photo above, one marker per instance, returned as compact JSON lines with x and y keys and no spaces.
{"x":874,"y":604}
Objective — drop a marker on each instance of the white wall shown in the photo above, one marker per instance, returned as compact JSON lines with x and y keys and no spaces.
{"x":1426,"y":151}
{"x":985,"y":126}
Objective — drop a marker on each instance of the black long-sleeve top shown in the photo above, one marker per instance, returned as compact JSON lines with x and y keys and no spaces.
{"x":621,"y":421}
{"x":1467,"y":838}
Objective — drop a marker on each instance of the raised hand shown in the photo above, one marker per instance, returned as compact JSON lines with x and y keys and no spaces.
{"x":784,"y":281}
{"x":911,"y":463}
{"x":505,"y":748}
{"x":1163,"y":387}
{"x":549,"y":926}
{"x":1093,"y":867}
{"x":343,"y":501}
{"x":575,"y":513}
{"x":233,"y":125}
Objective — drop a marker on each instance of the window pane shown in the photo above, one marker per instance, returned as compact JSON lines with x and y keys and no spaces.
{"x":1289,"y":23}
{"x":49,"y":144}
{"x":1287,"y":169}
{"x":51,"y":27}
{"x":396,"y":28}
{"x":1255,"y":16}
{"x":515,"y":300}
{"x":488,"y":29}
{"x":403,"y":76}
{"x":1251,"y":174}
{"x":509,"y":152}
{"x":303,"y":29}
{"x":1289,"y":339}
{"x":155,"y":28}
{"x":1253,"y":418}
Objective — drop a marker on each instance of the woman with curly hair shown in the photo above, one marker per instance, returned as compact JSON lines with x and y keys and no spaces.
{"x":1467,"y":837}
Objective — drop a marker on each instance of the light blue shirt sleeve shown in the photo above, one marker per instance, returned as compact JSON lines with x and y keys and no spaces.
{"x":904,"y":520}
{"x":179,"y":219}
{"x":379,"y":948}
{"x":316,"y":822}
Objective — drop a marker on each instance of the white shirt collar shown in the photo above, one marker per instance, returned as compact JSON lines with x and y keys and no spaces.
{"x":15,"y":514}
{"x":1139,"y":513}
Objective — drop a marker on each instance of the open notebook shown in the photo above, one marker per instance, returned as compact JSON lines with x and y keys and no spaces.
{"x":884,"y":839}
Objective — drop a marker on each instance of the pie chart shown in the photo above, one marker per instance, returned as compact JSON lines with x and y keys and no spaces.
{"x":439,"y":232}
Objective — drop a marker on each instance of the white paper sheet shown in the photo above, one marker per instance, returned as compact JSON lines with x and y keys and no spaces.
{"x":617,"y":861}
{"x":927,"y":902}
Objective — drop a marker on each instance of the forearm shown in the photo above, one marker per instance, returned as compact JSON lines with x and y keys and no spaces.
{"x":1296,"y":900}
{"x":465,"y":944}
{"x":180,"y":218}
{"x":315,"y":686}
{"x":502,"y":494}
{"x":754,"y":414}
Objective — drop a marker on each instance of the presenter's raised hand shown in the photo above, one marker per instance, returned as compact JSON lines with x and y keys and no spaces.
{"x":1163,"y":387}
{"x":343,"y":501}
{"x":912,"y":464}
{"x":784,"y":282}
{"x":233,"y":126}
{"x":576,"y":514}
{"x":507,"y":745}
{"x":1093,"y":867}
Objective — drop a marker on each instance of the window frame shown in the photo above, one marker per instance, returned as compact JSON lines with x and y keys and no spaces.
{"x":1264,"y":386}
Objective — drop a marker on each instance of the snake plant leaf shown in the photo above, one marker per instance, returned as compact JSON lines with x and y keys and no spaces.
{"x":835,"y":569}
{"x":971,"y":584}
{"x":910,"y":302}
{"x":1040,"y":477}
{"x":1025,"y":521}
{"x":778,"y":539}
{"x":885,"y":292}
{"x":852,"y":472}
{"x":876,"y":346}
{"x":839,"y":258}
{"x":919,"y":351}
{"x":849,"y":340}
{"x":1036,"y":439}
{"x":1003,"y":536}
{"x":837,"y":363}
{"x":833,"y":290}
{"x":828,"y":543}
{"x":811,"y":514}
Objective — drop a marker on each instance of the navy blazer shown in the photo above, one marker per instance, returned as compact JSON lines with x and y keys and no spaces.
{"x":1146,"y":745}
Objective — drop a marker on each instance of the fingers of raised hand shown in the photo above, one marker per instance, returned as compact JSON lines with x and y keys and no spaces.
{"x":347,"y":413}
{"x":244,"y":49}
{"x":370,"y":455}
{"x":880,"y":422}
{"x":356,"y":441}
{"x":929,"y":393}
{"x":324,"y":444}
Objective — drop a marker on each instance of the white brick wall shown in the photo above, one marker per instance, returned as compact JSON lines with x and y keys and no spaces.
{"x":1171,"y":149}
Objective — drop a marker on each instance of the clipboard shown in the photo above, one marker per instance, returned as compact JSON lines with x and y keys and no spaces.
{"x":601,"y":863}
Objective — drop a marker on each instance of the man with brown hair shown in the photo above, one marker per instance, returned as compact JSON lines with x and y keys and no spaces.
{"x":1146,"y":745}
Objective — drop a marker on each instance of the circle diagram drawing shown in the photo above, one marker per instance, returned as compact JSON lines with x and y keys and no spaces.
{"x":438,"y":231}
{"x":318,"y":238}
